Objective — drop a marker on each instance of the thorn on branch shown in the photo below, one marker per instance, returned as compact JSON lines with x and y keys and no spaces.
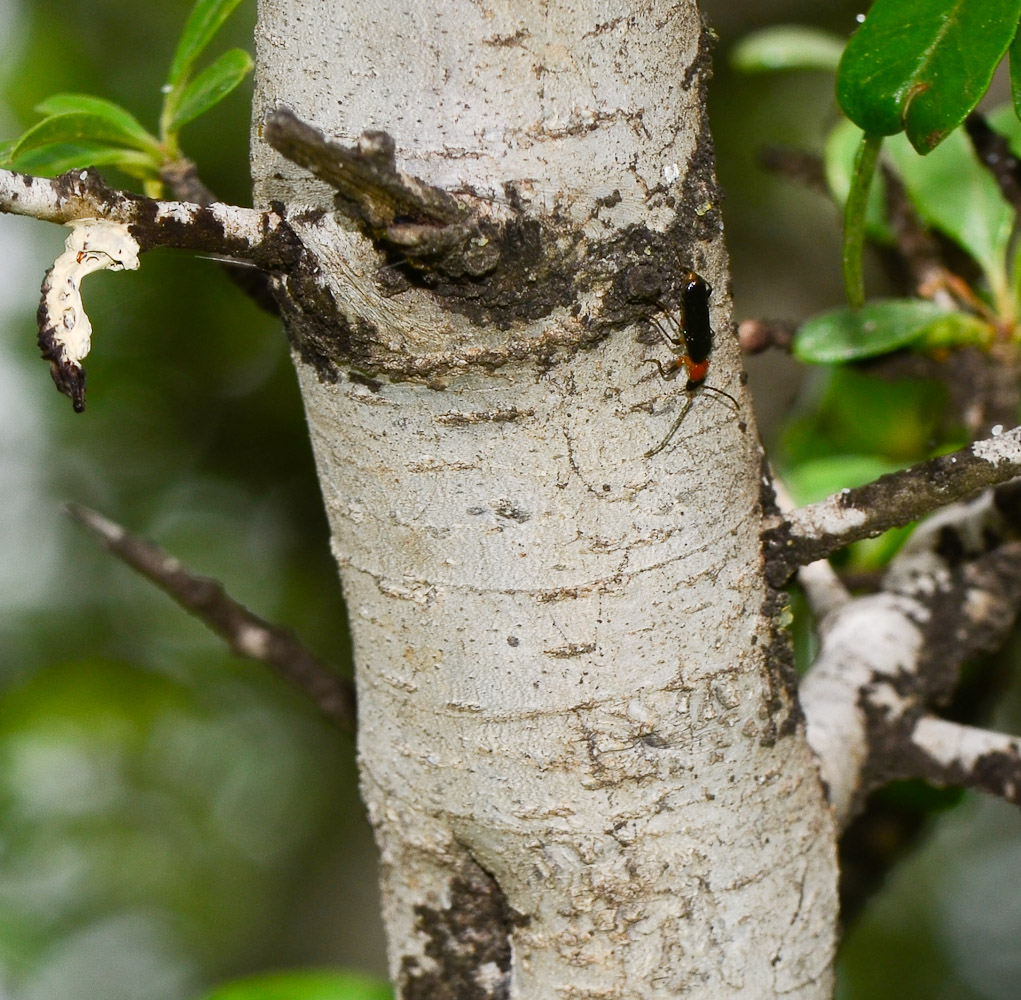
{"x":245,"y":633}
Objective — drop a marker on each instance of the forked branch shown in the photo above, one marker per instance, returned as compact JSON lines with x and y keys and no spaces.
{"x":891,"y":660}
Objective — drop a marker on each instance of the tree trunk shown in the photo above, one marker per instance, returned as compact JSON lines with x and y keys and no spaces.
{"x":579,"y":743}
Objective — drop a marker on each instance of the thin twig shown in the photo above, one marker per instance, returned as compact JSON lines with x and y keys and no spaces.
{"x":917,"y":248}
{"x":263,"y":238}
{"x":245,"y":633}
{"x":898,"y":498}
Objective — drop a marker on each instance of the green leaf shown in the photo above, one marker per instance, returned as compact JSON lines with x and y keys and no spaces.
{"x":78,"y":126}
{"x":48,"y":161}
{"x":954,"y":193}
{"x":839,"y":154}
{"x":204,"y":21}
{"x":787,"y":47}
{"x":956,"y":329}
{"x":882,"y":326}
{"x":6,"y":148}
{"x":921,"y":66}
{"x":1003,"y":120}
{"x":118,"y":117}
{"x":211,"y":86}
{"x":818,"y":478}
{"x":304,"y":986}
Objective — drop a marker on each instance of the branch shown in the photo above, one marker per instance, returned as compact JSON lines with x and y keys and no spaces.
{"x":365,"y":175}
{"x":918,"y":250}
{"x":949,"y":753}
{"x":183,"y":180}
{"x":898,"y":498}
{"x":889,"y":659}
{"x":426,"y":225}
{"x":819,"y":582}
{"x":110,"y":229}
{"x":262,"y":238}
{"x":245,"y":633}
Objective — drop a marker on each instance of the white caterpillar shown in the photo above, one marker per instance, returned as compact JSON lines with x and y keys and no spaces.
{"x":65,"y":333}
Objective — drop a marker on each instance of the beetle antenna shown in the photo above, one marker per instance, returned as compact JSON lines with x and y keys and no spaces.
{"x":722,"y":392}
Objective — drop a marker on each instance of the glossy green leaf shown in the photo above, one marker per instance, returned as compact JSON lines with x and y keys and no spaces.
{"x":954,"y":193}
{"x":956,"y":329}
{"x":48,"y":161}
{"x":120,"y":118}
{"x":6,"y":148}
{"x":304,"y":986}
{"x":921,"y":66}
{"x":787,"y":47}
{"x":851,"y":334}
{"x":77,"y":126}
{"x":204,"y":21}
{"x":838,"y":163}
{"x":211,"y":86}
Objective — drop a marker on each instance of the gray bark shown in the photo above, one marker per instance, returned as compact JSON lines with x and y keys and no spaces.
{"x":579,"y":743}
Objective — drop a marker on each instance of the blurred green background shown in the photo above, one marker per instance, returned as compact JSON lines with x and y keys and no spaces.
{"x":171,"y":816}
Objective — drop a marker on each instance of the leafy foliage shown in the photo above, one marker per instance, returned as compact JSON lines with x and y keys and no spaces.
{"x":920,"y":66}
{"x":877,"y":328}
{"x":81,"y":130}
{"x":210,"y":87}
{"x":917,"y":67}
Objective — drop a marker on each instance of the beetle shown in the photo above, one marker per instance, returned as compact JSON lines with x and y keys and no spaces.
{"x":692,"y":348}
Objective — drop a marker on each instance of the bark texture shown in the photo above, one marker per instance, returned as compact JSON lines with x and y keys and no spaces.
{"x":579,"y":744}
